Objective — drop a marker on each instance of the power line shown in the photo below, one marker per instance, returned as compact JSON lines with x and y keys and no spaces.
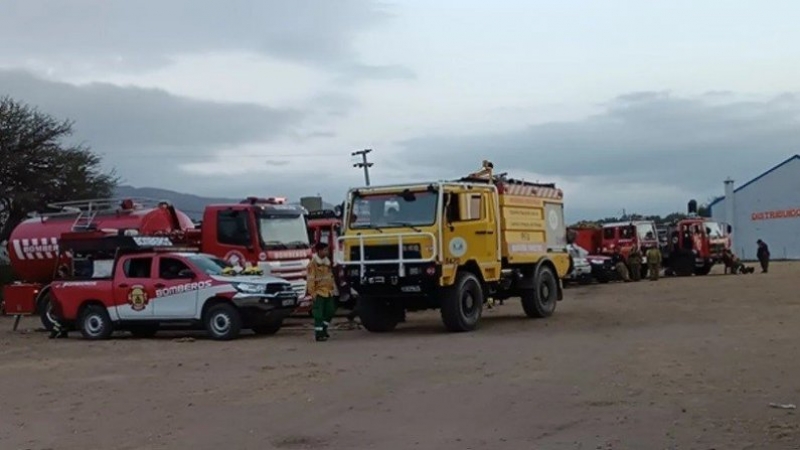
{"x":364,"y":164}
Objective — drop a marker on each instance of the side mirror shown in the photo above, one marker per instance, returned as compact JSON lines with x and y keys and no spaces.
{"x":730,"y":229}
{"x":186,"y":273}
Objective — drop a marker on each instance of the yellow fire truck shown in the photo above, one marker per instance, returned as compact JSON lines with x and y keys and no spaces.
{"x":452,"y":245}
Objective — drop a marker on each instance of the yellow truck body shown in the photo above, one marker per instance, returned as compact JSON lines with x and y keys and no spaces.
{"x":453,"y":246}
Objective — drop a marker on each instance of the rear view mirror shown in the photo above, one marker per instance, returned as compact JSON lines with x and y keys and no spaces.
{"x":730,"y":229}
{"x":409,"y":196}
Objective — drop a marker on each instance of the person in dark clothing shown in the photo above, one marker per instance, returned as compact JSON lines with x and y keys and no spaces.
{"x":763,"y":255}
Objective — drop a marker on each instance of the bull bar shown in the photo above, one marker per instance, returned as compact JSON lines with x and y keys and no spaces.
{"x":362,"y":263}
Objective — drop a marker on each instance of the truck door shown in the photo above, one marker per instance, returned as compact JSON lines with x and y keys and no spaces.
{"x":236,"y":237}
{"x":134,"y":288}
{"x":471,"y":229}
{"x":175,"y":296}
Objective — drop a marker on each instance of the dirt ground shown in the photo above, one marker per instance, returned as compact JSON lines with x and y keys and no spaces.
{"x":682,"y":363}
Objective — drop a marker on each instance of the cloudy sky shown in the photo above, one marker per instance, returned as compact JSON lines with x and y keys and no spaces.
{"x":624,"y":103}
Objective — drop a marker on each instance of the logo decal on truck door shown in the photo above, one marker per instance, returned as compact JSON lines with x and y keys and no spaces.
{"x":137,"y":297}
{"x":552,"y":219}
{"x":458,"y":247}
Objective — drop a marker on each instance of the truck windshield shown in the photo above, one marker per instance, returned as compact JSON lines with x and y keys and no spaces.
{"x":209,"y":264}
{"x":714,"y":230}
{"x":646,"y":231}
{"x":394,"y":210}
{"x":279,"y":231}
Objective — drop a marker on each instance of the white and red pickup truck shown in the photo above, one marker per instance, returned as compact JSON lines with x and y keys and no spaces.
{"x":145,"y":291}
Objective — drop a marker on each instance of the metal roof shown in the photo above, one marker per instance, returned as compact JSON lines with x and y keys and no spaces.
{"x":790,"y":159}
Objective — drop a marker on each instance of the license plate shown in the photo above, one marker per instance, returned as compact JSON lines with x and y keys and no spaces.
{"x":377,"y":280}
{"x":289,"y":302}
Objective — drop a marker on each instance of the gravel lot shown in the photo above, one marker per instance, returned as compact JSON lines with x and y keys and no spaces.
{"x":681,"y":363}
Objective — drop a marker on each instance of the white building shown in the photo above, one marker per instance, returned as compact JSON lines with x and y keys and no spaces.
{"x":766,"y":207}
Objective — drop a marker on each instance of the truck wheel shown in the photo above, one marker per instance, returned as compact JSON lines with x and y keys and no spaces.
{"x":702,"y":271}
{"x":540,"y":301}
{"x":95,"y":323}
{"x":143,"y":331}
{"x":223,"y":322}
{"x":462,"y":303}
{"x":43,"y":306}
{"x":268,"y":326}
{"x":378,"y":315}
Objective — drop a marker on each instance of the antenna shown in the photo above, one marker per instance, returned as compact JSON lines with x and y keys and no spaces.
{"x":364,"y":164}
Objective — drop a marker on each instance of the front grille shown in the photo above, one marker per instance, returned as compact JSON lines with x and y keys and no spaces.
{"x":383,"y":252}
{"x":275,"y":288}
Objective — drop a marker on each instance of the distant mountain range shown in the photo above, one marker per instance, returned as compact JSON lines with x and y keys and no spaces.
{"x":192,"y":205}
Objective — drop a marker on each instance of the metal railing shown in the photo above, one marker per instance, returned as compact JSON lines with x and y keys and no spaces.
{"x":362,"y":262}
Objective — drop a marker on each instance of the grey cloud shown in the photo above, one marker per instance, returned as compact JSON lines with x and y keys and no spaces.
{"x":143,"y":34}
{"x":132,"y":118}
{"x":646,"y":137}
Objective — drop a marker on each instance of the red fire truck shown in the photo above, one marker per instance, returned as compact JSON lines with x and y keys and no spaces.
{"x":141,"y":283}
{"x":695,"y":244}
{"x":264,"y":233}
{"x":604,"y":240}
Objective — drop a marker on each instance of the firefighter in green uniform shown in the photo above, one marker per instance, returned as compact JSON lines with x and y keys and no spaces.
{"x":654,"y":262}
{"x":635,"y":263}
{"x":322,"y":289}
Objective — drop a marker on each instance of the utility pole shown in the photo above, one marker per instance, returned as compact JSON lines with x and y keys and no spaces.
{"x":364,"y":163}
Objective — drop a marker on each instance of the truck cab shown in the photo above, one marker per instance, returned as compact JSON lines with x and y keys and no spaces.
{"x":695,"y":244}
{"x":148,"y":284}
{"x":265,"y":233}
{"x":452,"y":246}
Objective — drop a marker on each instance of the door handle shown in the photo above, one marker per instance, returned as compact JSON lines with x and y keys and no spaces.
{"x":160,"y":285}
{"x":484,"y":232}
{"x":123,"y":285}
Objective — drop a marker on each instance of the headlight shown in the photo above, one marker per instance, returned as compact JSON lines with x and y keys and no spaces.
{"x":249,"y":288}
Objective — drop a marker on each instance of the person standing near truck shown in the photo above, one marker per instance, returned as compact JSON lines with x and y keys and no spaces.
{"x":321,"y":288}
{"x":635,"y":263}
{"x":620,"y":266}
{"x":763,"y":255}
{"x":654,"y":262}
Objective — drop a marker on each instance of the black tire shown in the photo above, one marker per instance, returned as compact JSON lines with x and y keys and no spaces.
{"x":540,"y":302}
{"x":43,"y":307}
{"x":223,"y":322}
{"x":378,"y":315}
{"x":143,"y":331}
{"x":703,"y":271}
{"x":95,"y":324}
{"x":684,"y":265}
{"x":462,"y":303}
{"x":644,"y":272}
{"x":268,"y":326}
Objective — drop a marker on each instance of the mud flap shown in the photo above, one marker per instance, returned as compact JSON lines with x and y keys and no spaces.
{"x":560,"y":289}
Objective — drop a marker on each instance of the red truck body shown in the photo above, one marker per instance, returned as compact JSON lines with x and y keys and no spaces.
{"x":263,"y":233}
{"x":147,"y":288}
{"x":694,"y":245}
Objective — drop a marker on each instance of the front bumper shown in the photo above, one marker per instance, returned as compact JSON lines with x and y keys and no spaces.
{"x":286,"y":300}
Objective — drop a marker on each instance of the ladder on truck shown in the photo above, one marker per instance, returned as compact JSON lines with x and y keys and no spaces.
{"x":87,"y":210}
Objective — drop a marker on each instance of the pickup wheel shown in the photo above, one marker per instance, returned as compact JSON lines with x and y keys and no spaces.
{"x":223,"y":322}
{"x":540,"y":302}
{"x":95,"y":323}
{"x":378,"y":315}
{"x":43,"y":307}
{"x":462,"y":303}
{"x":268,"y":326}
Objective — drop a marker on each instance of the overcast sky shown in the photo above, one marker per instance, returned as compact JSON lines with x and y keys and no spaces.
{"x":623,"y":103}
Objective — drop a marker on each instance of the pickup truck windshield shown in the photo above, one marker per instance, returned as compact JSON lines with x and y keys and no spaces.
{"x":394,"y":210}
{"x":208,"y":264}
{"x":278,"y":231}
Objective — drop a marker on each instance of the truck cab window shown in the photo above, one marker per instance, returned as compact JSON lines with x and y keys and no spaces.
{"x":170,"y":268}
{"x":233,"y":228}
{"x":609,"y":233}
{"x":472,"y":205}
{"x":137,"y":267}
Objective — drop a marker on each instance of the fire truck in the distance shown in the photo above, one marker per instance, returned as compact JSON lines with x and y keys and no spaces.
{"x":604,"y":240}
{"x":264,"y":233}
{"x":326,"y":226}
{"x":694,"y":244}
